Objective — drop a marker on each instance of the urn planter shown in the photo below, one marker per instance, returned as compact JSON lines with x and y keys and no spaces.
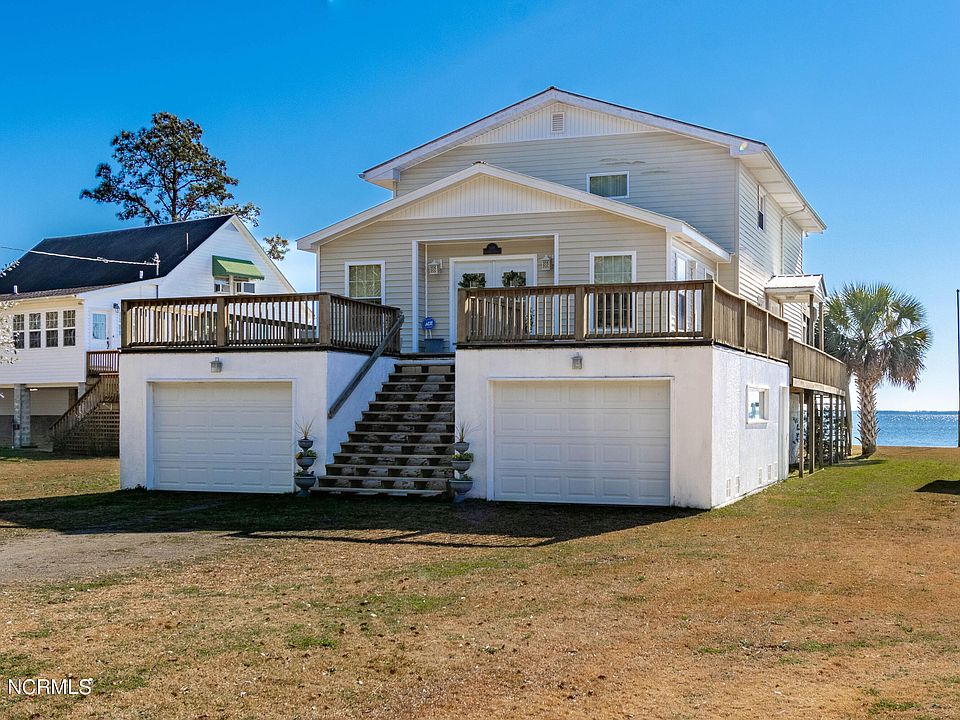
{"x":304,"y":482}
{"x":461,"y":465}
{"x":461,"y":447}
{"x":460,"y":487}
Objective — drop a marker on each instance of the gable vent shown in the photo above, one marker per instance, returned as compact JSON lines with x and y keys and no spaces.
{"x":557,"y":122}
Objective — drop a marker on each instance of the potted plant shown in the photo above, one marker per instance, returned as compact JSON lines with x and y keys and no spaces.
{"x":304,"y":427}
{"x":461,"y":444}
{"x":304,"y":480}
{"x":306,"y":459}
{"x":460,"y":487}
{"x":514,"y":278}
{"x":461,"y":461}
{"x":473,"y":280}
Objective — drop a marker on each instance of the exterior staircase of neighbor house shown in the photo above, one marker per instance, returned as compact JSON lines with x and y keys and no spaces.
{"x":401,"y":445}
{"x":92,"y":424}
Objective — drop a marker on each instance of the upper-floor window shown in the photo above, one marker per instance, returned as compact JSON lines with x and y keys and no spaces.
{"x":761,"y":205}
{"x":239,"y":286}
{"x":35,"y":338}
{"x":609,"y":185}
{"x":69,"y":328}
{"x":99,"y":326}
{"x":364,"y":281}
{"x":52,"y":324}
{"x":18,"y":331}
{"x":244,"y":287}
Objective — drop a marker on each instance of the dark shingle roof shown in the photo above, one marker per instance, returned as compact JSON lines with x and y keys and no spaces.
{"x":37,"y":273}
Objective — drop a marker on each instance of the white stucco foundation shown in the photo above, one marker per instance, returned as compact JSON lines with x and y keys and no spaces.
{"x":716,"y":456}
{"x":315,"y":378}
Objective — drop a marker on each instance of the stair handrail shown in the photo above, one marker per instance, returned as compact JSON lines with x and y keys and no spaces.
{"x":97,"y":393}
{"x":365,"y":368}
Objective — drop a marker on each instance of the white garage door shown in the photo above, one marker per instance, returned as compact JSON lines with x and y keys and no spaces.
{"x":223,"y":437}
{"x":582,"y":442}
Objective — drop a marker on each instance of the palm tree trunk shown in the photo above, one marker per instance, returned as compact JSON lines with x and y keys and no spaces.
{"x":867,"y":390}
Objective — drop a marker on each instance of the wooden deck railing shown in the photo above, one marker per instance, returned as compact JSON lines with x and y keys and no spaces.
{"x":816,"y":370}
{"x":689,"y":311}
{"x":102,"y":361}
{"x":222,"y":322}
{"x":105,"y":389}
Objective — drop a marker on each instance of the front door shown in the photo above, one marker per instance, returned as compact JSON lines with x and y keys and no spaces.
{"x":491,"y":269}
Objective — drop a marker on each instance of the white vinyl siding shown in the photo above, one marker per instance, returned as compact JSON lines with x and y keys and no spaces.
{"x":762,"y":255}
{"x":670,"y":174}
{"x":580,"y":233}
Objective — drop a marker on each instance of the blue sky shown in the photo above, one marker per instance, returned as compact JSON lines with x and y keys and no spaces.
{"x":858,"y":100}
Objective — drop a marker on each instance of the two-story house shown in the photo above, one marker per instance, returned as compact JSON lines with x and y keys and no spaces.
{"x":65,"y":296}
{"x":625,"y":298}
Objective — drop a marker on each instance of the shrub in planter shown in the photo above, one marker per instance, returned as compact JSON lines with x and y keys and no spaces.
{"x":461,"y":461}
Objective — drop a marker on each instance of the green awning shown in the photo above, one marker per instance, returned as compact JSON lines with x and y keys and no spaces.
{"x":224,"y":266}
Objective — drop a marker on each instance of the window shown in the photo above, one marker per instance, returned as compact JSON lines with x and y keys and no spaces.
{"x":761,"y":205}
{"x":35,"y":330}
{"x":609,"y":185}
{"x":612,"y":310}
{"x":221,"y":285}
{"x":52,"y":324}
{"x":69,"y":328}
{"x":18,"y":331}
{"x":364,"y":281}
{"x":242,"y":287}
{"x":99,"y":325}
{"x":756,"y":405}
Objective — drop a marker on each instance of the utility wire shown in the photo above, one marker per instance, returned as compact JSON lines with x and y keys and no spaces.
{"x":155,"y":262}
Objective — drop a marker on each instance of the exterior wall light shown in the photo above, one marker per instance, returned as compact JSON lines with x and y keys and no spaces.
{"x":577,"y":361}
{"x":216,"y":365}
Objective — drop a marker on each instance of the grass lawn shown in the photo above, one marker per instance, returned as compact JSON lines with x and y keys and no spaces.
{"x":835,"y":596}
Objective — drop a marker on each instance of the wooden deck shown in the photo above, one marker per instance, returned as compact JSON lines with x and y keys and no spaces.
{"x":257,"y":322}
{"x":690,"y":312}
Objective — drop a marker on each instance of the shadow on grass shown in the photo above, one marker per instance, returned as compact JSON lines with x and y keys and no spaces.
{"x":381,"y":521}
{"x":945,"y":487}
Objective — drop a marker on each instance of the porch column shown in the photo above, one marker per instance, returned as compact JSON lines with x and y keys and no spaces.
{"x":21,"y":416}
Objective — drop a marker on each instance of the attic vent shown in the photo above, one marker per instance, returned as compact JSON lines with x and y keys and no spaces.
{"x":556,"y":122}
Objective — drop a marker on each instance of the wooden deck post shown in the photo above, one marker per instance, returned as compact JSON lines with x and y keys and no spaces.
{"x":324,"y":320}
{"x":579,"y":314}
{"x":706,"y":322}
{"x":743,"y":325}
{"x":463,"y":317}
{"x":823,"y":331}
{"x":221,"y":322}
{"x":801,"y":446}
{"x":811,"y":432}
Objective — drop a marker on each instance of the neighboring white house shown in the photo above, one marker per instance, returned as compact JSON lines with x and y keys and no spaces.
{"x":624,"y":295}
{"x":66,"y":311}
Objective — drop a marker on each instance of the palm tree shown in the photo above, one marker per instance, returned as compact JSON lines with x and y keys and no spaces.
{"x":881,"y":335}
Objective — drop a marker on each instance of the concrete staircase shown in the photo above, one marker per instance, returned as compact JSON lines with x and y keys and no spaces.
{"x":401,"y":445}
{"x":92,"y":425}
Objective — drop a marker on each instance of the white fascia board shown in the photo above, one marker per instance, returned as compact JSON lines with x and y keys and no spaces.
{"x":670,"y":224}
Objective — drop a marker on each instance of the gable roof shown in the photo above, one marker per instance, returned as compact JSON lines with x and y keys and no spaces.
{"x":40,"y":273}
{"x":671,"y":225}
{"x":755,"y":154}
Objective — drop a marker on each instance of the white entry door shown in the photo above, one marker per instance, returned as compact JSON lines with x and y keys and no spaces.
{"x":223,"y":437}
{"x":582,"y":441}
{"x":492,"y":269}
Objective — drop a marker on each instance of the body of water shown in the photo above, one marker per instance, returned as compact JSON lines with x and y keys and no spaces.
{"x":914,"y":429}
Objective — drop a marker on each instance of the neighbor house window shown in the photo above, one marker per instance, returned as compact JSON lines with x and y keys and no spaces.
{"x":99,"y":326}
{"x":242,"y":287}
{"x":52,"y":324}
{"x":609,"y":185}
{"x":221,"y":285}
{"x":756,"y":404}
{"x":35,"y":338}
{"x":761,"y":205}
{"x":69,"y":328}
{"x":364,"y":281}
{"x":18,"y":331}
